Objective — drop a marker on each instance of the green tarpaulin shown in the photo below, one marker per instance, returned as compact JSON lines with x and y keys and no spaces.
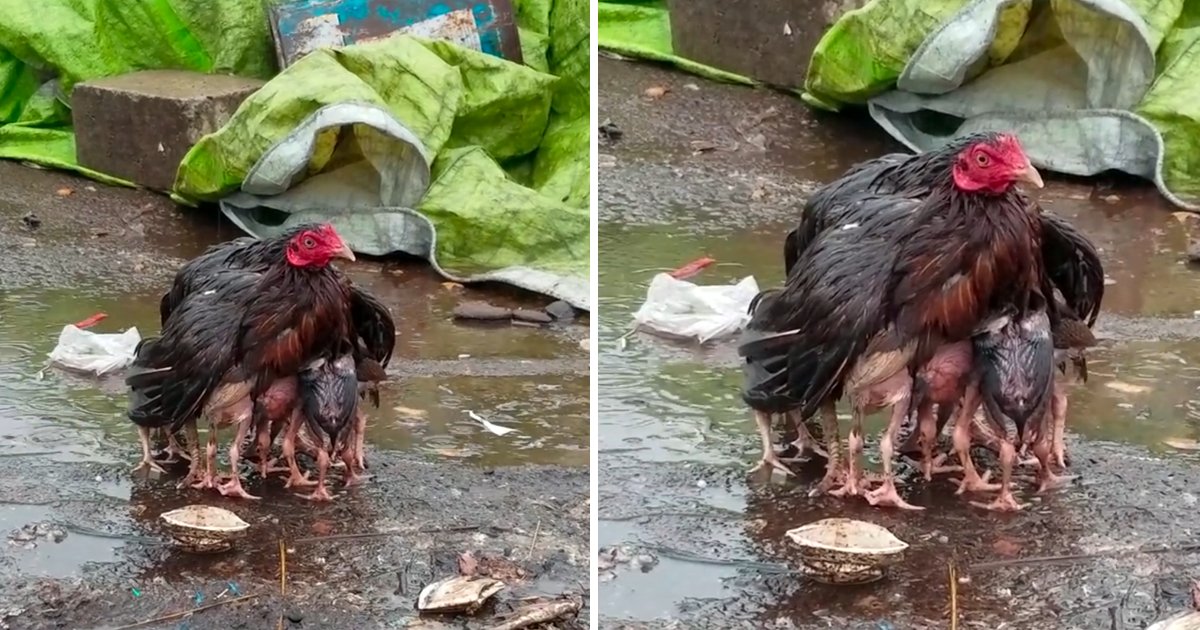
{"x":507,"y":145}
{"x":1088,"y":85}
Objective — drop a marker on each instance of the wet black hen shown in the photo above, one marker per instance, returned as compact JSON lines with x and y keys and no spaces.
{"x":1071,"y":260}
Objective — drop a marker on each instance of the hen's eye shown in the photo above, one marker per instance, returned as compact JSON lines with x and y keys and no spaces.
{"x":982,"y":159}
{"x":309,"y":243}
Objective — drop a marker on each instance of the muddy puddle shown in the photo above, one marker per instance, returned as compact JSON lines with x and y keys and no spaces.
{"x":691,"y":540}
{"x":80,"y":542}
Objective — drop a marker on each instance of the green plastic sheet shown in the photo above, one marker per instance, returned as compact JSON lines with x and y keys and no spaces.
{"x":509,"y":143}
{"x":865,"y":57}
{"x":642,"y":29}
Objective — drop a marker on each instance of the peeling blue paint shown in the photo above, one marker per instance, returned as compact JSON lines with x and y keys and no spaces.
{"x":359,"y":19}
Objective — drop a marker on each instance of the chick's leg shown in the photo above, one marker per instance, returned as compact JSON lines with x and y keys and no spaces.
{"x":195,"y":467}
{"x":1058,"y":411}
{"x":233,"y":487}
{"x":971,"y":481}
{"x":289,"y":453}
{"x":147,"y":458}
{"x":321,"y":493}
{"x":208,"y":477}
{"x":1005,"y":501}
{"x":854,"y":477}
{"x":834,"y":473}
{"x":886,"y":494}
{"x":360,"y":438}
{"x":175,"y":451}
{"x":768,"y":458}
{"x":805,"y":443}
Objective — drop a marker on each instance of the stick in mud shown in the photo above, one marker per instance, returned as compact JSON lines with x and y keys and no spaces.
{"x":184,"y":613}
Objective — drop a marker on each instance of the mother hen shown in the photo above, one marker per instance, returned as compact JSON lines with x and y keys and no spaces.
{"x":893,"y":291}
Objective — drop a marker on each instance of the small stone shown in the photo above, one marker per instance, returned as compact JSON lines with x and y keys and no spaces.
{"x":701,"y":484}
{"x":294,"y":616}
{"x":477,"y":309}
{"x":1193,"y":251}
{"x":1111,"y":198}
{"x":561,"y":310}
{"x":529,"y":315}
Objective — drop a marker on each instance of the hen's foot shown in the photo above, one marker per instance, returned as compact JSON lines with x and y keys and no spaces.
{"x":1051,"y":481}
{"x":201,"y":482}
{"x":772,"y":460}
{"x":854,"y":486}
{"x":833,"y":478}
{"x":298,"y":480}
{"x":1005,"y":502}
{"x":233,"y":488}
{"x":321,"y":493}
{"x":975,"y":483}
{"x":886,"y":496}
{"x":148,"y":464}
{"x":354,"y":479}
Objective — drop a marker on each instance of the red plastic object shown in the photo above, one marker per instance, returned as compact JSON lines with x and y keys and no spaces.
{"x":692,"y":268}
{"x":91,"y":321}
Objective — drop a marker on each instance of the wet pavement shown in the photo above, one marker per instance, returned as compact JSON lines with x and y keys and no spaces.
{"x":442,"y":485}
{"x":715,"y":170}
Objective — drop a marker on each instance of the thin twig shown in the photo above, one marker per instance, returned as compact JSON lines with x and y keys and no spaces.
{"x":282,"y":568}
{"x":953,"y":597}
{"x":533,"y":544}
{"x":184,"y":613}
{"x":1086,"y":556}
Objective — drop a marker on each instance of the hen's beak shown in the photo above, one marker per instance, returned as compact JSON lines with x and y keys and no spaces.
{"x":345,"y":252}
{"x":1030,"y":176}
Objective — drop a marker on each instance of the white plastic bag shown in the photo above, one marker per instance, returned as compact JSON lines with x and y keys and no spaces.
{"x":683,"y":309}
{"x":96,"y":353}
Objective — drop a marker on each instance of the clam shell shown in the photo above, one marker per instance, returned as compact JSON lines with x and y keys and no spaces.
{"x":204,"y":528}
{"x":846,"y":551}
{"x":457,"y":593}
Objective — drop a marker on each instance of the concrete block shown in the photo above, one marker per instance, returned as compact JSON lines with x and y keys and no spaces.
{"x":768,"y":40}
{"x":139,"y":126}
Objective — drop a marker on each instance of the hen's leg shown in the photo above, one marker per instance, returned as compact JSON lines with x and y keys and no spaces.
{"x":233,"y":487}
{"x":147,"y":457}
{"x":194,"y":469}
{"x":1005,"y":501}
{"x":833,"y":446}
{"x":175,"y":451}
{"x":1058,"y":411}
{"x":971,"y":481}
{"x":768,"y":458}
{"x":208,"y":477}
{"x":289,"y":454}
{"x":886,"y":494}
{"x":321,"y":493}
{"x":854,"y":478}
{"x":805,"y":443}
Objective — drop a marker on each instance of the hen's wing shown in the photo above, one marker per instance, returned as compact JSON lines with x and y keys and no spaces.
{"x":1073,"y":265}
{"x":174,"y":373}
{"x":374,"y":325}
{"x":240,"y":253}
{"x":834,"y":203}
{"x":832,"y":307}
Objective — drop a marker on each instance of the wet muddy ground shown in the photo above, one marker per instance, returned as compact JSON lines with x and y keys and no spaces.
{"x":693,"y":541}
{"x":80,"y":543}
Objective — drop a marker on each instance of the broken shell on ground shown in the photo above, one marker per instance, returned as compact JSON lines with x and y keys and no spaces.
{"x":846,"y":551}
{"x":459,"y":593}
{"x":204,"y":528}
